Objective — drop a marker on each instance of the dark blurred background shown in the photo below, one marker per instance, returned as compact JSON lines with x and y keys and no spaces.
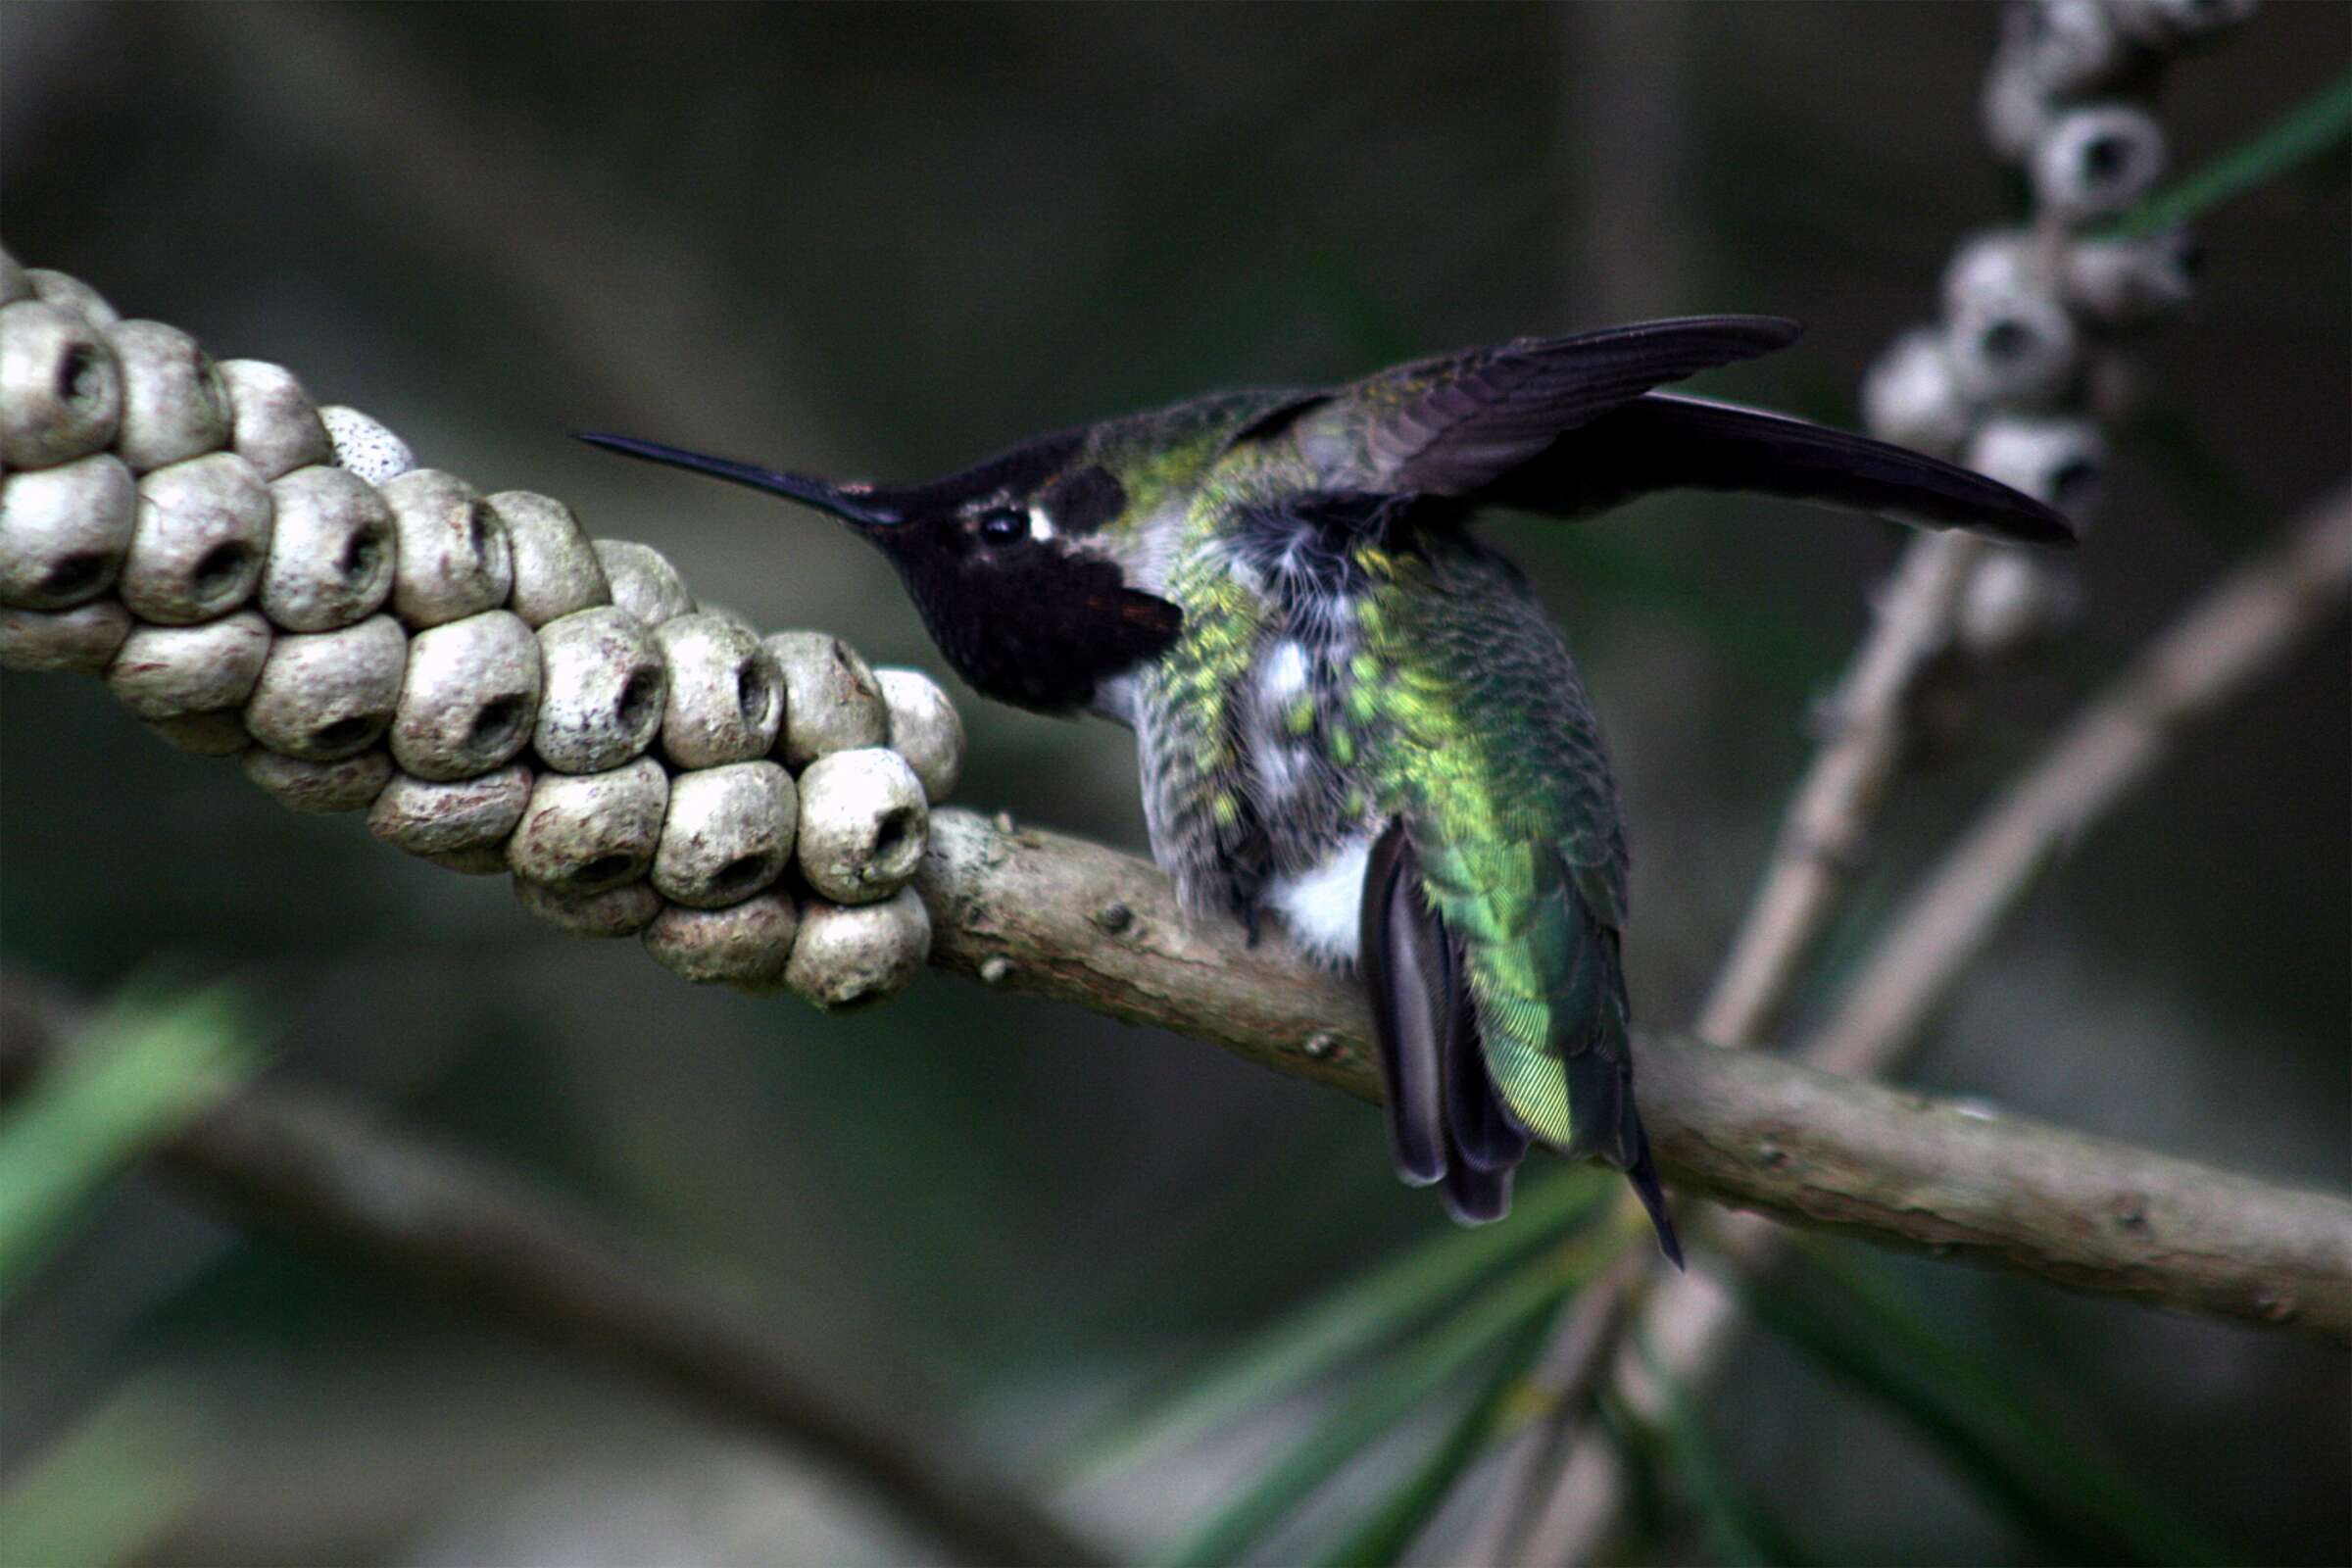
{"x":880,"y":240}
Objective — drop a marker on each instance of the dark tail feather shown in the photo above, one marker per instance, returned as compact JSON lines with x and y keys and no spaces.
{"x":1475,"y":1197}
{"x":1643,"y":1174}
{"x":1406,"y":959}
{"x":1664,"y":441}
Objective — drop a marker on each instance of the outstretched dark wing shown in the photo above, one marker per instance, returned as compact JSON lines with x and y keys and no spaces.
{"x":1664,"y":441}
{"x":1451,"y":425}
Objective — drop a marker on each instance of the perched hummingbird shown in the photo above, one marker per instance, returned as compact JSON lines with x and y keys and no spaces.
{"x":1353,"y":717}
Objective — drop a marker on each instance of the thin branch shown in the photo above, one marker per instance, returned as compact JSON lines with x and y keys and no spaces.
{"x":2195,"y":668}
{"x":462,"y":1235}
{"x":2240,"y":631}
{"x":1836,"y":805}
{"x":1037,"y":912}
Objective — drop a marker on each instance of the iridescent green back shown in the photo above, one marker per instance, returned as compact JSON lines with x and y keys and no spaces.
{"x":1471,"y":725}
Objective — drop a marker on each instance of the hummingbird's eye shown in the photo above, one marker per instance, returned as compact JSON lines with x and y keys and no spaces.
{"x":1002,"y":525}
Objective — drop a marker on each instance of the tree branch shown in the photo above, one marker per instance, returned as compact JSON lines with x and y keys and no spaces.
{"x":462,"y":1235}
{"x":1035,"y":912}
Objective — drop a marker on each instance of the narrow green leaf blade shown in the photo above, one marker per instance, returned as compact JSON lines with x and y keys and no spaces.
{"x":2308,"y":129}
{"x":1364,"y":1312}
{"x":2017,"y":1453}
{"x":1382,"y":1538}
{"x":140,"y":1071}
{"x":1388,"y":1398}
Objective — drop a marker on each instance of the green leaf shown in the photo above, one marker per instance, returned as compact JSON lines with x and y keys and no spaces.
{"x":1364,"y":1312}
{"x":1736,"y":1530}
{"x":140,"y":1071}
{"x":1383,"y":1538}
{"x":2308,"y":129}
{"x":103,"y":1492}
{"x":2016,"y":1451}
{"x":1390,"y":1396}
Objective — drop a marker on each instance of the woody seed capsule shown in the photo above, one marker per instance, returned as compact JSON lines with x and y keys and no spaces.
{"x":643,"y":582}
{"x":846,"y":954}
{"x":832,"y":702}
{"x":61,"y":386}
{"x":80,"y":641}
{"x":453,"y":561}
{"x":71,"y":295}
{"x":619,"y":912}
{"x":604,"y":689}
{"x":435,"y":820}
{"x":2096,"y":160}
{"x":331,"y":553}
{"x":271,"y":423}
{"x":469,"y":697}
{"x":63,"y":531}
{"x":218,"y":734}
{"x":346,"y":785}
{"x":326,"y":695}
{"x":2060,"y":461}
{"x":164,"y":673}
{"x":556,"y":569}
{"x":924,"y":728}
{"x":202,"y":536}
{"x":173,"y":404}
{"x":744,"y":945}
{"x":863,"y":824}
{"x":1910,"y":396}
{"x":587,"y":832}
{"x":364,"y":445}
{"x":726,"y":696}
{"x":727,"y":833}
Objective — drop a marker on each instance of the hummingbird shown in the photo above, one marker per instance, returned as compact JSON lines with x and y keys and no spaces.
{"x":1355,"y":722}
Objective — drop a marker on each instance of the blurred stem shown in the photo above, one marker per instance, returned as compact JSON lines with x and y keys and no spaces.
{"x":106,"y":1489}
{"x":2310,"y":129}
{"x":463,"y":1235}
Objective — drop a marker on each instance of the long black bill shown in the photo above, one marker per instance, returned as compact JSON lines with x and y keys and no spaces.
{"x":849,"y":503}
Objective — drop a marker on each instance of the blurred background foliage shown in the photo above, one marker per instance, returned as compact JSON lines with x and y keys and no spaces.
{"x":879,"y":240}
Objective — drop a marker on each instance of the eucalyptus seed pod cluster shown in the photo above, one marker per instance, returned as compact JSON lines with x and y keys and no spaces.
{"x":253,"y":575}
{"x":2025,"y":367}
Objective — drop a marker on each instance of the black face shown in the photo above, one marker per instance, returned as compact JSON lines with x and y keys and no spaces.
{"x":991,"y":557}
{"x":1019,"y":608}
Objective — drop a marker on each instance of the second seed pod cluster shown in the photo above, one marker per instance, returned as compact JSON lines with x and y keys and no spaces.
{"x":256,"y":578}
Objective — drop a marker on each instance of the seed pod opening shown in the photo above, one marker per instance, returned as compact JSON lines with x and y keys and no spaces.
{"x":863,"y":824}
{"x":200,"y":542}
{"x":65,"y":531}
{"x":727,"y":835}
{"x":61,"y":386}
{"x":604,"y":690}
{"x":470,"y":697}
{"x":333,"y":553}
{"x":326,"y":695}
